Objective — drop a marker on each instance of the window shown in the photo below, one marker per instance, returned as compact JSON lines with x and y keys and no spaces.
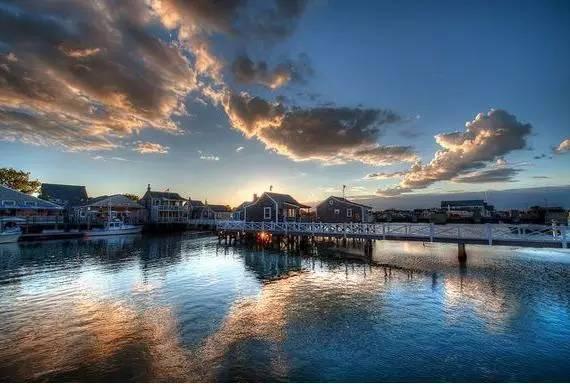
{"x":290,"y":212}
{"x":331,"y":202}
{"x":31,"y":204}
{"x":349,"y":212}
{"x":8,"y":203}
{"x":337,"y":211}
{"x":266,"y":213}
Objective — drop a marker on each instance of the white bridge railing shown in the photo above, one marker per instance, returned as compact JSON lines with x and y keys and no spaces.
{"x":519,"y":233}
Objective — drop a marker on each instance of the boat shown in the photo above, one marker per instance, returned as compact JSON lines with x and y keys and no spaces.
{"x":115,"y":227}
{"x":9,"y":230}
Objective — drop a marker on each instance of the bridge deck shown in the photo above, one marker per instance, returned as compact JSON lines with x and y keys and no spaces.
{"x":498,"y":234}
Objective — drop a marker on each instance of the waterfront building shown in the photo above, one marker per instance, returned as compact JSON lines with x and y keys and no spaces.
{"x":32,"y":209}
{"x":98,"y":209}
{"x":238,"y":212}
{"x":276,"y":207}
{"x":210,"y":211}
{"x":340,"y":210}
{"x":165,"y":207}
{"x":67,"y":196}
{"x":467,"y":208}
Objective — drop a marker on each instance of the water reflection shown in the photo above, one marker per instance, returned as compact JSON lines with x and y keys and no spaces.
{"x":181,"y":309}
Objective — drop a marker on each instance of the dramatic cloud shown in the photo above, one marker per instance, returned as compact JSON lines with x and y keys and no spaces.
{"x":247,"y":72}
{"x":485,"y":139}
{"x":383,"y":175}
{"x":494,"y":175}
{"x":92,"y":69}
{"x":563,"y":147}
{"x":331,"y":135}
{"x":147,"y":147}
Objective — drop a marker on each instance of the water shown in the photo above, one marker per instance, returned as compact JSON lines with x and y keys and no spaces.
{"x":175,"y":308}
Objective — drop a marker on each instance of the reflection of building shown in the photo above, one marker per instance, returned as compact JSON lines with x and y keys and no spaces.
{"x":97,"y":210}
{"x":340,"y":210}
{"x":36,"y":211}
{"x":67,"y":196}
{"x":165,"y":207}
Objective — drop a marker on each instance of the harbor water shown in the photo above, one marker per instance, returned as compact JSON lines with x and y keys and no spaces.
{"x":178,"y":308}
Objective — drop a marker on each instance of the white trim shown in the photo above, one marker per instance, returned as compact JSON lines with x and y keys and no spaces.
{"x":349,"y":210}
{"x":265,"y":216}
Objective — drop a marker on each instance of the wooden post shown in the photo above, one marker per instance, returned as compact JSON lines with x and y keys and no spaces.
{"x":461,"y":254}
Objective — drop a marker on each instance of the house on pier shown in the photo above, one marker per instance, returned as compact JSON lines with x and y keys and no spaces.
{"x":101,"y":209}
{"x":35,"y":211}
{"x":67,"y":196}
{"x":340,"y":210}
{"x":276,"y":207}
{"x":165,"y":207}
{"x":238,"y":213}
{"x":210,"y":211}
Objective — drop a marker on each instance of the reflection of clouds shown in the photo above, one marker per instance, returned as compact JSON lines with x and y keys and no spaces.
{"x":95,"y":332}
{"x":489,"y":301}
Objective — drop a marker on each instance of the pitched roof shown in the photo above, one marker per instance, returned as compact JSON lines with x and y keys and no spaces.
{"x":219,"y":208}
{"x":344,"y":200}
{"x":282,"y":198}
{"x":196,"y":203}
{"x":115,"y":201}
{"x":21,"y":200}
{"x":242,"y":205}
{"x":165,"y":195}
{"x":66,"y":195}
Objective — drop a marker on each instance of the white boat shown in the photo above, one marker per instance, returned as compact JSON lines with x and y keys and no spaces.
{"x":115,"y":227}
{"x":9,"y":231}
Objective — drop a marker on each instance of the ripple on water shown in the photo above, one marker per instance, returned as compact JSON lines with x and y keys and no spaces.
{"x":181,"y":309}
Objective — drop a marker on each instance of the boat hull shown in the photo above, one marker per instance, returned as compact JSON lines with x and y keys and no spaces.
{"x":115,"y":232}
{"x":9,"y":237}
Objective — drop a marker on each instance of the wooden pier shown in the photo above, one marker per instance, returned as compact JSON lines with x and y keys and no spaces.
{"x":491,"y":234}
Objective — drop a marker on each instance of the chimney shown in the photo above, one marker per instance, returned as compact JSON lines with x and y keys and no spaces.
{"x":148,"y":187}
{"x":254,"y":196}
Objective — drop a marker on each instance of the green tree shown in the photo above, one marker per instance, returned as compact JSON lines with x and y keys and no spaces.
{"x":132,"y":196}
{"x":19,"y":180}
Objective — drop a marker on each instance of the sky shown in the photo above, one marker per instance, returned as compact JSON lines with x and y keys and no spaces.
{"x":220,"y":100}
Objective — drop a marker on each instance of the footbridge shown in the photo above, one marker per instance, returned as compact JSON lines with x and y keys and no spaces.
{"x":492,"y":234}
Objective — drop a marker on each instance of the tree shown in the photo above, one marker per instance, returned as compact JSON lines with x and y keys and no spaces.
{"x":19,"y":180}
{"x":132,"y":196}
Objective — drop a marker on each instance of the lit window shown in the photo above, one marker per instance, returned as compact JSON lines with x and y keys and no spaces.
{"x":349,"y":212}
{"x":267,"y":212}
{"x":337,"y":211}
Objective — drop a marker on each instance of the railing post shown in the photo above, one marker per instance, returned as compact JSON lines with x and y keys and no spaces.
{"x":431,"y":231}
{"x":489,"y":233}
{"x":383,"y":231}
{"x":563,"y":235}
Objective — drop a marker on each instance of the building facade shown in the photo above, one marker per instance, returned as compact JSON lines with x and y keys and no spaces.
{"x":31,"y":209}
{"x":69,"y":197}
{"x":165,"y":207}
{"x":340,"y":210}
{"x":102,"y":209}
{"x":274,"y":207}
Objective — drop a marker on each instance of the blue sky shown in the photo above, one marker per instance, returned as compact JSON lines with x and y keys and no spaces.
{"x":436,"y":65}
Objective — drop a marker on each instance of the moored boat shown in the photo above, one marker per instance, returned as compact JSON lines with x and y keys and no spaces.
{"x":115,"y":227}
{"x":9,"y":230}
